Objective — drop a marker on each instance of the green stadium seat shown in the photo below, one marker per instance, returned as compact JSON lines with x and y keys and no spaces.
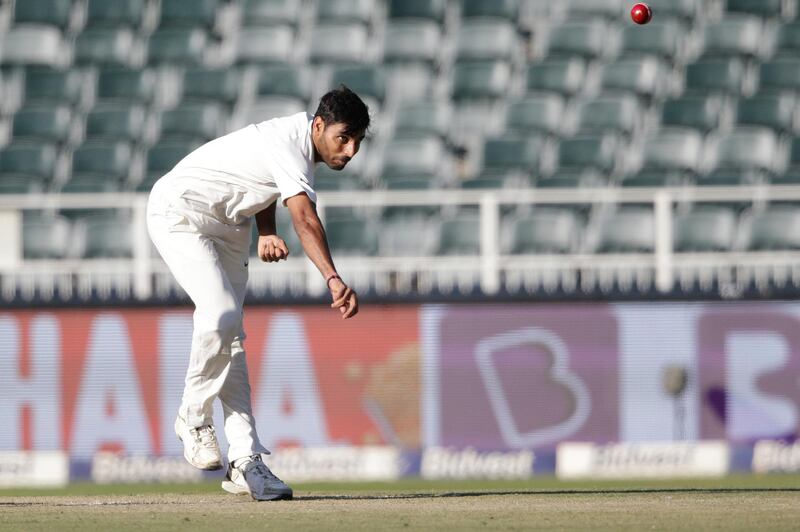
{"x":536,"y":114}
{"x":620,"y":114}
{"x":776,"y":112}
{"x":460,"y":235}
{"x":339,"y":43}
{"x":57,"y":86}
{"x":107,"y":236}
{"x":219,"y":85}
{"x":273,"y":44}
{"x":284,"y":80}
{"x":90,"y":184}
{"x":412,"y":41}
{"x":14,"y":184}
{"x":685,"y":10}
{"x":268,"y":12}
{"x":705,"y":230}
{"x":513,"y":153}
{"x":740,"y":35}
{"x":715,"y":75}
{"x":127,"y":85}
{"x":180,"y":13}
{"x":162,"y":157}
{"x":113,"y":121}
{"x":489,"y":182}
{"x":345,"y":11}
{"x":105,"y":46}
{"x":640,"y":76}
{"x":545,"y":230}
{"x":407,"y":236}
{"x":32,"y":44}
{"x":29,"y":159}
{"x":418,"y":156}
{"x":585,"y":39}
{"x":610,"y":9}
{"x":629,"y":230}
{"x":655,"y":177}
{"x":351,"y":236}
{"x":789,"y":39}
{"x":571,"y":178}
{"x":108,"y":160}
{"x":325,"y":181}
{"x":506,"y":9}
{"x":51,"y":12}
{"x":729,"y":177}
{"x":268,"y":108}
{"x":419,"y":9}
{"x":775,"y":229}
{"x":660,"y":39}
{"x":566,"y":76}
{"x":794,"y":152}
{"x":475,"y":80}
{"x":48,"y":122}
{"x":674,"y":149}
{"x":781,"y":74}
{"x":410,"y":183}
{"x":588,"y":151}
{"x":749,"y":148}
{"x":193,"y":121}
{"x":423,"y":118}
{"x":366,"y":80}
{"x":115,"y":13}
{"x":790,"y":177}
{"x":762,"y":8}
{"x":703,"y":113}
{"x":486,"y":40}
{"x":182,"y":45}
{"x":45,"y":236}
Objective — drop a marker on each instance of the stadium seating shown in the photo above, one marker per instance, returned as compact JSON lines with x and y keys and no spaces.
{"x":45,"y":236}
{"x":705,"y":230}
{"x":465,"y":94}
{"x":51,"y":12}
{"x":775,"y":229}
{"x":119,"y":84}
{"x":545,"y":231}
{"x":268,"y":12}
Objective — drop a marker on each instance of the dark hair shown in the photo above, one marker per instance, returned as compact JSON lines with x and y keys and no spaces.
{"x":341,"y":105}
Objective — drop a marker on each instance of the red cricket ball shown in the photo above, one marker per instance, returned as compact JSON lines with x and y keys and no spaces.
{"x":641,"y":13}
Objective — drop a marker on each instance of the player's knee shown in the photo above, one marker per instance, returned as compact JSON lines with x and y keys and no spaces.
{"x":229,"y":325}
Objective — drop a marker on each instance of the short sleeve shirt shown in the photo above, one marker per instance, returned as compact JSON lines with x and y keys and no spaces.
{"x":235,"y":176}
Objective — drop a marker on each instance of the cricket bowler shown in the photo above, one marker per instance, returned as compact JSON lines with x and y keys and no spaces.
{"x":199,"y":217}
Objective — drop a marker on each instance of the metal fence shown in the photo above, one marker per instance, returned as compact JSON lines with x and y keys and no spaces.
{"x":143,"y":277}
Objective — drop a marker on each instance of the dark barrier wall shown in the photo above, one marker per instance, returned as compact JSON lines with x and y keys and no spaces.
{"x":492,"y":377}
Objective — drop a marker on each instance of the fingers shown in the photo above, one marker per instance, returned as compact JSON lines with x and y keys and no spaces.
{"x":346,"y":302}
{"x":340,"y":300}
{"x":273,"y":250}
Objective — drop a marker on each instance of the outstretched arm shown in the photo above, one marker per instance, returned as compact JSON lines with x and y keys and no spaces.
{"x":271,"y":247}
{"x":315,"y":243}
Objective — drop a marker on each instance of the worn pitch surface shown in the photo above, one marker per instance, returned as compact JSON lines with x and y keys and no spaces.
{"x":736,"y":503}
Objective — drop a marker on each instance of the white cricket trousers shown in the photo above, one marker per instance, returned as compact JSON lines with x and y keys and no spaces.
{"x":210,"y":264}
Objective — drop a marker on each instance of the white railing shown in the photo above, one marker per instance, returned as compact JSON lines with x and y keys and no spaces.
{"x":145,"y":276}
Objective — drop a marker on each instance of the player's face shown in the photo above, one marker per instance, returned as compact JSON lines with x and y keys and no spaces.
{"x":334,"y":145}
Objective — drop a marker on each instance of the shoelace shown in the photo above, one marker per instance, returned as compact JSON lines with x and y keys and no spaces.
{"x":259,"y":468}
{"x":205,"y":435}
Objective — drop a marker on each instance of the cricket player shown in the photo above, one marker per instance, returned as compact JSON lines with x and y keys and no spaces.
{"x":199,"y":217}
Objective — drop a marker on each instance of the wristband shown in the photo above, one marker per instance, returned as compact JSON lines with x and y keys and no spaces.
{"x":331,"y":277}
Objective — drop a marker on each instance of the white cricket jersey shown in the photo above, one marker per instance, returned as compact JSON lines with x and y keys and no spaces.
{"x":235,"y":176}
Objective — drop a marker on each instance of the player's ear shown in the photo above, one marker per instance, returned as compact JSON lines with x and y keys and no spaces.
{"x":318,"y":124}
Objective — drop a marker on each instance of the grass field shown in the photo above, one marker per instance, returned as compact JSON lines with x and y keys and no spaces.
{"x":734,"y":503}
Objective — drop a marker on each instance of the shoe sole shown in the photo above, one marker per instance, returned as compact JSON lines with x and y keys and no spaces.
{"x":235,"y":489}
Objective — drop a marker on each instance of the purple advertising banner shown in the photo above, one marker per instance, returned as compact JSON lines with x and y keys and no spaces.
{"x":520,"y":376}
{"x":527,"y":376}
